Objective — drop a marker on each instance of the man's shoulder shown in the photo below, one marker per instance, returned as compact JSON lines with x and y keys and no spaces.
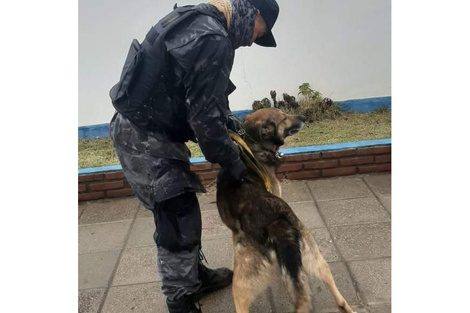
{"x":197,"y":29}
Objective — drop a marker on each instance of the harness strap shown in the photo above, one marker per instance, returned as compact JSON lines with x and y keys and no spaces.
{"x":250,"y":160}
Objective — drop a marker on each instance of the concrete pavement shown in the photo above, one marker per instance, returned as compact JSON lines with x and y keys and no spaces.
{"x":350,"y":218}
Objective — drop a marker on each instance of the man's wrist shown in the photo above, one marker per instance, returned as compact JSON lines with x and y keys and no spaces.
{"x":226,"y":165}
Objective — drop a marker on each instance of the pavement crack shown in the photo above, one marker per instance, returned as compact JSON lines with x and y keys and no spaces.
{"x":376,"y":196}
{"x":113,"y":274}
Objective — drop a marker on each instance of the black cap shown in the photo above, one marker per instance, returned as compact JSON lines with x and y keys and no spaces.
{"x":269,"y":10}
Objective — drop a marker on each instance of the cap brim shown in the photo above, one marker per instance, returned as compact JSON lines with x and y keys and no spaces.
{"x":267,"y":40}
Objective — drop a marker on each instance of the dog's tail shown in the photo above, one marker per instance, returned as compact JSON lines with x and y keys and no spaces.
{"x":295,"y":247}
{"x":287,"y":241}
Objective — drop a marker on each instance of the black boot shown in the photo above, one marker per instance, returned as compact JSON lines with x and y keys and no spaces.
{"x":183,"y":305}
{"x":212,"y":280}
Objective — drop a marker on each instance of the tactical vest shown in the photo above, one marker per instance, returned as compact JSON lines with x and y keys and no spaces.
{"x":145,"y":93}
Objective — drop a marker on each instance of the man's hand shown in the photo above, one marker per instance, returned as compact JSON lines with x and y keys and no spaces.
{"x":235,"y":124}
{"x":237,"y":171}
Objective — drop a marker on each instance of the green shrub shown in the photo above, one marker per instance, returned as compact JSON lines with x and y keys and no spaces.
{"x":311,"y":104}
{"x":314,"y":106}
{"x":265,"y":103}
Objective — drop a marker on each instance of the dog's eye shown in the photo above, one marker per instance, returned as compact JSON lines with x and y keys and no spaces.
{"x":293,"y":131}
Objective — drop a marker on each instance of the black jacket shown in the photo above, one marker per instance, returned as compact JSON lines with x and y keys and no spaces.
{"x":175,"y":86}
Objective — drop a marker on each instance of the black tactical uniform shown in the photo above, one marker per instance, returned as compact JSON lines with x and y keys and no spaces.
{"x":174,"y":88}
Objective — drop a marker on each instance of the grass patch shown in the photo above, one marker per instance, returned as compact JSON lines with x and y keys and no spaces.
{"x":349,"y":127}
{"x":96,"y":153}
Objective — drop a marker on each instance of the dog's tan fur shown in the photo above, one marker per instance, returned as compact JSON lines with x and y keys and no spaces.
{"x":259,"y":221}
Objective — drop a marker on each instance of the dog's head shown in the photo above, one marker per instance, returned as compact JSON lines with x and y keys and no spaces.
{"x":269,"y":127}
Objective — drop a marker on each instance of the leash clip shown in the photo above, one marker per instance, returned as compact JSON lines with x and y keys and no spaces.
{"x":241,"y":132}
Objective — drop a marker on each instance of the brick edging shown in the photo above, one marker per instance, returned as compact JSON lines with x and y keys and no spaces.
{"x":359,"y":160}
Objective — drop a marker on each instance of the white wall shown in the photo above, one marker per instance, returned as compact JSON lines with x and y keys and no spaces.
{"x":342,"y":48}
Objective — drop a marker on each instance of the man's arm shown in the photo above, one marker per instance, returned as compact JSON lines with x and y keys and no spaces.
{"x":233,"y":122}
{"x":207,"y":66}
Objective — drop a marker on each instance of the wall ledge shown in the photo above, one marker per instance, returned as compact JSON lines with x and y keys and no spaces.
{"x":313,"y":162}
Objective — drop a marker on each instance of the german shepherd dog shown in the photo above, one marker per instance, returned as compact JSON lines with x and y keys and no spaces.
{"x":268,"y":238}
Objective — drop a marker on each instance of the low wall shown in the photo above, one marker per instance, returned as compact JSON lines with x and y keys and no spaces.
{"x":299,"y":163}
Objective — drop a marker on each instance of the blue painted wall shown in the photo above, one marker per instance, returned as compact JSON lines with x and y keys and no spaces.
{"x":366,"y":105}
{"x":357,"y":105}
{"x":93,"y":131}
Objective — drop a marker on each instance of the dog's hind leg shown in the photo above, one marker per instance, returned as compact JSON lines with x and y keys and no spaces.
{"x":325,"y":275}
{"x":299,"y":291}
{"x":315,"y":264}
{"x":251,"y":275}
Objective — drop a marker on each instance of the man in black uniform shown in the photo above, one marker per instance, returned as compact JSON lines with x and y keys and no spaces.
{"x":174,"y":87}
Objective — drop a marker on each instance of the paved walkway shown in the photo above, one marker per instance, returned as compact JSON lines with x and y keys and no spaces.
{"x":350,"y":218}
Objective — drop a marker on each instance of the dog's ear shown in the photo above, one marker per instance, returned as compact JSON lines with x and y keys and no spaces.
{"x":260,"y":129}
{"x":253,"y":127}
{"x":267,"y":128}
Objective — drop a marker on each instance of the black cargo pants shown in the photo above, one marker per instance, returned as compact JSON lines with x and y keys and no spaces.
{"x":178,"y":239}
{"x":159,"y":174}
